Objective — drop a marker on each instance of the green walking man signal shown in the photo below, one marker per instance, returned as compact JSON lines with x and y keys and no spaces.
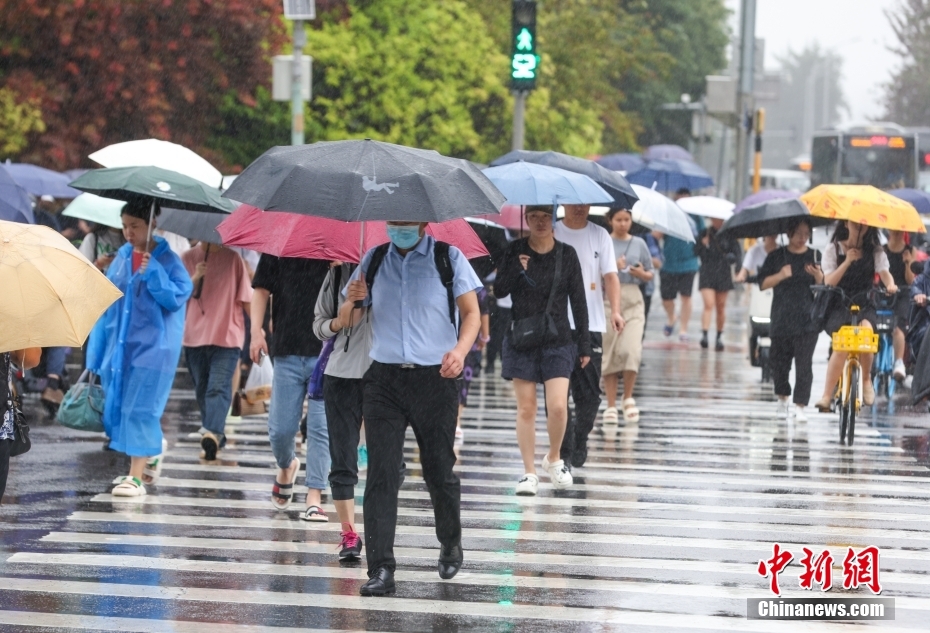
{"x":524,"y":61}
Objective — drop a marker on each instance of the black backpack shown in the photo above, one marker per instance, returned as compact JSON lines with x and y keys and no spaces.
{"x":443,"y":265}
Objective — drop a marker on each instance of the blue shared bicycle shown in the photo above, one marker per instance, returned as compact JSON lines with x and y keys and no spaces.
{"x":883,"y":366}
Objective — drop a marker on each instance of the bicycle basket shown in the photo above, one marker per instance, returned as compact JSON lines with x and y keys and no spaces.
{"x":884,"y":321}
{"x":855,"y":339}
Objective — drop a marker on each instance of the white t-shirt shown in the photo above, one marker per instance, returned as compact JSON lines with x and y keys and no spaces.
{"x":755,"y":257}
{"x":596,"y":254}
{"x":828,"y":265}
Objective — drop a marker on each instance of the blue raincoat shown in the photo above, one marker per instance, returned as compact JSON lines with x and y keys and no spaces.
{"x":135,"y":347}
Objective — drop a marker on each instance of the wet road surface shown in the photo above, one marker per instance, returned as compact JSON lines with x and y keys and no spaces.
{"x":662,"y":530}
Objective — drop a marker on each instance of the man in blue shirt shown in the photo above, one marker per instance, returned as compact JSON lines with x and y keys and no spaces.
{"x":417,"y":356}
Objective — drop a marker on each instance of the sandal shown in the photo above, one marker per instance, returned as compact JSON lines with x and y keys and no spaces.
{"x":130,"y":487}
{"x":282,"y":494}
{"x":824,"y":405}
{"x":611,"y":416}
{"x":630,"y":412}
{"x":315,"y":514}
{"x":152,"y":470}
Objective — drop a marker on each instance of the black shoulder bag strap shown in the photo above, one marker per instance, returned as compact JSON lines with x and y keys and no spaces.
{"x":373,"y":265}
{"x":446,"y":275}
{"x":337,"y":281}
{"x":556,"y":278}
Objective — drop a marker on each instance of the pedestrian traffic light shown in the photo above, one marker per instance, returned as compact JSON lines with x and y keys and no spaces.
{"x":524,"y":62}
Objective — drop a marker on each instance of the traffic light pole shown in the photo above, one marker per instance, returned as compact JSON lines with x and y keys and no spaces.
{"x":519,"y":112}
{"x":297,"y":98}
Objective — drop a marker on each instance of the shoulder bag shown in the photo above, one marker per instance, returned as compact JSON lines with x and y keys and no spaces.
{"x":21,"y":441}
{"x":540,"y":329}
{"x":82,"y":407}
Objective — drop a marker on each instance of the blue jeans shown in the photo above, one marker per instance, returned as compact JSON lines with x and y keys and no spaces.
{"x":288,"y":392}
{"x":212,"y":369}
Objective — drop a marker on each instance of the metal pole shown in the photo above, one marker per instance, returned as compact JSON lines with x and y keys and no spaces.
{"x":519,"y":110}
{"x":745,"y":99}
{"x":297,"y":97}
{"x":759,"y":127}
{"x":702,"y":131}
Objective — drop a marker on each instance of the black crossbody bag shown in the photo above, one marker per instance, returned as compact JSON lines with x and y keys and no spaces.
{"x":540,"y":329}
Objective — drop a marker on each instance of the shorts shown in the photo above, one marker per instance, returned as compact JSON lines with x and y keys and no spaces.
{"x":673,"y":284}
{"x":839,"y":316}
{"x":716,"y":279}
{"x":538,"y":365}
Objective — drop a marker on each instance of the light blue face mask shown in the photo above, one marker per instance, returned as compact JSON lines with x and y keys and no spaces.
{"x":403,"y":236}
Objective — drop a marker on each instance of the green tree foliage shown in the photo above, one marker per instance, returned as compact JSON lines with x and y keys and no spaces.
{"x":907,"y":95}
{"x":18,"y":119}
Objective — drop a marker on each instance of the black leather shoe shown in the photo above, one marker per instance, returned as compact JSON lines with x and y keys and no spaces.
{"x":450,"y":561}
{"x":579,"y":456}
{"x":380,"y":584}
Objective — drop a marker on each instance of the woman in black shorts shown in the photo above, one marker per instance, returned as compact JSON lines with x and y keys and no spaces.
{"x":528,"y":273}
{"x":716,"y":278}
{"x":850,"y":262}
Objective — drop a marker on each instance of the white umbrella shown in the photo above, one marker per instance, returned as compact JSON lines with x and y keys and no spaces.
{"x":93,"y":208}
{"x":707,"y":207}
{"x":657,"y":212}
{"x":155,"y":153}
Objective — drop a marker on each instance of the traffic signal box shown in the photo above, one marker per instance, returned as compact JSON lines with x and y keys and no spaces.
{"x":524,"y":61}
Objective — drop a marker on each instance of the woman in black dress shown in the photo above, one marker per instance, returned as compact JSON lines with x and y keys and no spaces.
{"x":716,"y":278}
{"x":25,"y":359}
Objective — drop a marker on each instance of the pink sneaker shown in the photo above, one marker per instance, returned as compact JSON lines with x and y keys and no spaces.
{"x":350,"y":548}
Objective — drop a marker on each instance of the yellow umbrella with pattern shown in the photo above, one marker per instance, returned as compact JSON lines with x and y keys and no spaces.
{"x":863,"y":204}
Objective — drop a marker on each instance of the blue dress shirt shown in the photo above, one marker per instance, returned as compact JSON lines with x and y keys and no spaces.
{"x":409,"y":306}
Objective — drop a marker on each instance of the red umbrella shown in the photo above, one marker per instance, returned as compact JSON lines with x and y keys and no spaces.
{"x":294,"y":235}
{"x":511,"y":217}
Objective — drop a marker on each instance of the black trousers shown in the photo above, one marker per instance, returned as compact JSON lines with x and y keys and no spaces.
{"x":342,"y":398}
{"x":5,"y":446}
{"x":585,"y":384}
{"x":801,"y":349}
{"x":500,"y":324}
{"x":393,"y":398}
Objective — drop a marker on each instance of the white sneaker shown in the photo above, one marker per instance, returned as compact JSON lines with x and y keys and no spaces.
{"x":559,"y":474}
{"x":900,"y":373}
{"x":781,"y":410}
{"x":528,"y":486}
{"x":908,"y":382}
{"x":799,"y":414}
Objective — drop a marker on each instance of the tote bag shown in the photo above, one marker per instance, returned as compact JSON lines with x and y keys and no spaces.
{"x":82,"y":407}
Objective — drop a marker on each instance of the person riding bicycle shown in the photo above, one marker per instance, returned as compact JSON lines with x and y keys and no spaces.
{"x":900,"y":255}
{"x":850,"y":262}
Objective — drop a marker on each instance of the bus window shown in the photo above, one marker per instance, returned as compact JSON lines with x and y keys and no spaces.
{"x":882,"y":167}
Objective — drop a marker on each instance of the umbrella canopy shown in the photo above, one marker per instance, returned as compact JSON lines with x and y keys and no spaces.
{"x":494,"y":236}
{"x":707,"y":207}
{"x":671,"y":175}
{"x":293,"y":235}
{"x":40,"y":181}
{"x":511,"y":217}
{"x":52,"y":296}
{"x":154,"y":153}
{"x":95,"y":209}
{"x":194,"y":225}
{"x":766,"y":195}
{"x":920,"y":199}
{"x":656,"y":212}
{"x":168,"y":188}
{"x":673,"y":152}
{"x":14,"y":201}
{"x":621,"y":162}
{"x":612,"y":182}
{"x":530,"y":183}
{"x":365,"y":180}
{"x":863,"y":204}
{"x":769,"y":218}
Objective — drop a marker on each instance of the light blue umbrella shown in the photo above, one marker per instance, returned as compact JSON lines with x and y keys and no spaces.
{"x":14,"y":201}
{"x":40,"y":181}
{"x":530,"y":184}
{"x":671,"y":175}
{"x":93,"y":208}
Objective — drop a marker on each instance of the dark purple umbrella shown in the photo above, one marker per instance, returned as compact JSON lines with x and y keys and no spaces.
{"x":15,"y":205}
{"x":766,"y":195}
{"x":621,"y":162}
{"x":667,"y":152}
{"x":920,"y":199}
{"x":40,"y":181}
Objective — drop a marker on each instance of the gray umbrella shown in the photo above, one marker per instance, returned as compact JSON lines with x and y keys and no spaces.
{"x":366,"y":180}
{"x":194,"y":225}
{"x":612,"y":182}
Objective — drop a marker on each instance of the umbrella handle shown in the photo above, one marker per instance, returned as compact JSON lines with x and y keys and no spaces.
{"x":199,"y":289}
{"x":151,"y":221}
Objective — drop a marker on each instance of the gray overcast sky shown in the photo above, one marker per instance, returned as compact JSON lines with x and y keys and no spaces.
{"x":857,"y":29}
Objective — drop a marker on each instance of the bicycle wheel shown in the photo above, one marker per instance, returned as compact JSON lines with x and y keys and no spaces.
{"x":852,"y":406}
{"x":841,"y":409}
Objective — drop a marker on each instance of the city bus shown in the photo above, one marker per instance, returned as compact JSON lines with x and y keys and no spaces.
{"x":923,"y":156}
{"x":884,"y":155}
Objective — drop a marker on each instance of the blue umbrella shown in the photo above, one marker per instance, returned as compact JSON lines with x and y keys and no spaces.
{"x":920,"y":199}
{"x":621,"y":162}
{"x":671,"y":175}
{"x":14,"y":201}
{"x":40,"y":181}
{"x":530,"y":183}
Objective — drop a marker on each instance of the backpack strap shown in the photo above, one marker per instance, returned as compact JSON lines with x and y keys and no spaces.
{"x":446,"y":274}
{"x":337,"y":281}
{"x":374,"y":264}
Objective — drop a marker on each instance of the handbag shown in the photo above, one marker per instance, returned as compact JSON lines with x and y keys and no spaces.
{"x":315,"y":387}
{"x":82,"y":407}
{"x":538,"y":330}
{"x":820,"y":309}
{"x":21,"y":442}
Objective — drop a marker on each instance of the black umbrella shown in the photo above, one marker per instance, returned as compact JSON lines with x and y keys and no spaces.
{"x":366,"y":180}
{"x":769,"y":218}
{"x":495,"y":238}
{"x":194,"y":225}
{"x":612,"y":182}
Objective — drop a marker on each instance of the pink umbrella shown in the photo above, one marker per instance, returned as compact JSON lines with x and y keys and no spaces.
{"x":511,"y":217}
{"x":294,"y":235}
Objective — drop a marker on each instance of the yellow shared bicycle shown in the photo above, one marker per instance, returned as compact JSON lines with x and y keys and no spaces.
{"x":852,"y":340}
